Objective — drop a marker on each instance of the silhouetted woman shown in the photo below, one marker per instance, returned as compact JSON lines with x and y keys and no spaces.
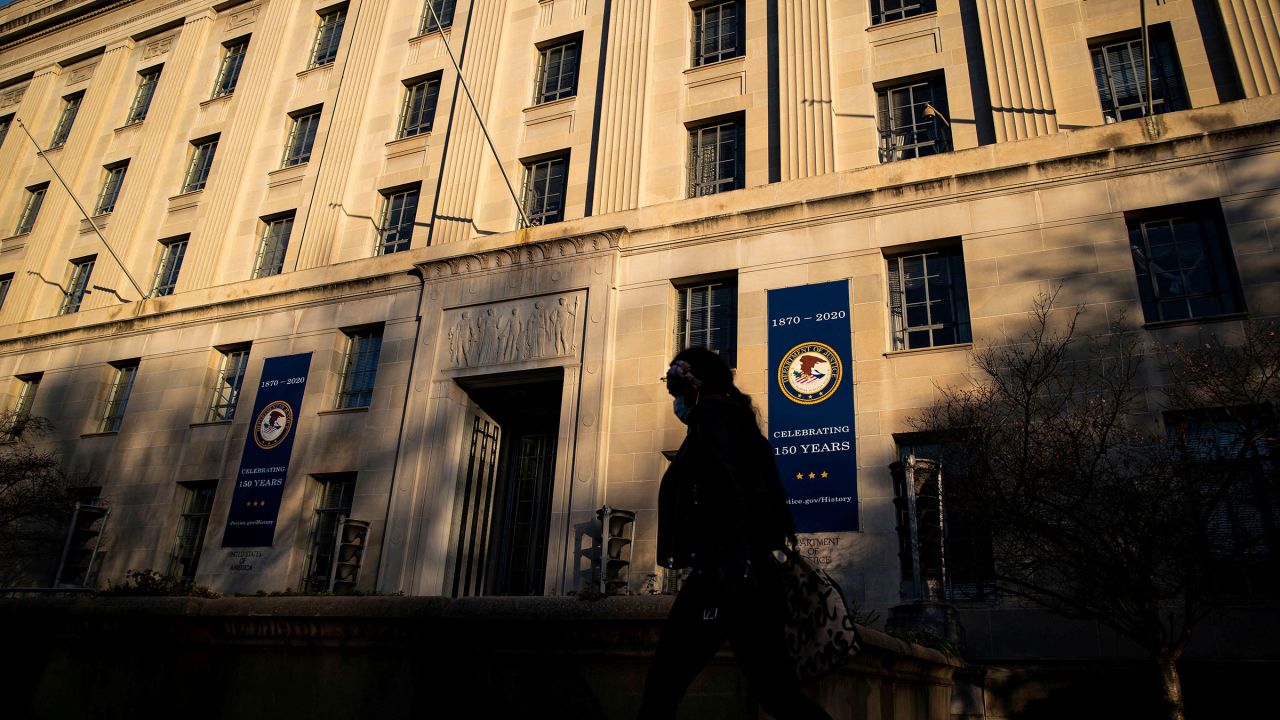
{"x":722,"y":513}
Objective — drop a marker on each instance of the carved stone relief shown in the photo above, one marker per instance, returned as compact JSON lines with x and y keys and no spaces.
{"x":12,"y":97}
{"x":527,"y":254}
{"x":82,"y":73}
{"x":157,"y":47}
{"x":528,"y":329}
{"x":242,"y":17}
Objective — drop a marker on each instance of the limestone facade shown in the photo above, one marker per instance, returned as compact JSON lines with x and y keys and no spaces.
{"x":1034,"y":185}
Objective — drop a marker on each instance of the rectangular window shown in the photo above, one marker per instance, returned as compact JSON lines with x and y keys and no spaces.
{"x":229,"y":69}
{"x":70,"y":107}
{"x":118,"y":398}
{"x":77,"y":285}
{"x":945,"y":553}
{"x":717,"y":32}
{"x":1184,"y":264}
{"x":5,"y":281}
{"x":419,"y":111}
{"x":333,"y":505}
{"x":707,"y":315}
{"x":544,"y":182}
{"x":147,"y":81}
{"x":442,"y":18}
{"x":111,"y":185}
{"x":395,"y":231}
{"x":274,"y":245}
{"x":197,"y":506}
{"x":1228,"y":455}
{"x":928,"y":299}
{"x":1119,"y":69}
{"x":302,"y":135}
{"x":912,"y":120}
{"x":328,"y":35}
{"x":226,"y":387}
{"x":883,"y":11}
{"x":557,"y":72}
{"x":28,"y":385}
{"x":202,"y":152}
{"x":31,"y":208}
{"x":171,"y":254}
{"x":4,"y":127}
{"x":359,"y":368}
{"x":715,"y":158}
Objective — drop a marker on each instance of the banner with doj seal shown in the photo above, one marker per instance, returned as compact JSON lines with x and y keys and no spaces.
{"x":811,"y":404}
{"x":255,"y":504}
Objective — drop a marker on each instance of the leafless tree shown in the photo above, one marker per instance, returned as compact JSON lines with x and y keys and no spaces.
{"x":36,"y":501}
{"x":1112,"y":495}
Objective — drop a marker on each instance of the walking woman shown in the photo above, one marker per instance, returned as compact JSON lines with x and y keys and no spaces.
{"x":721,"y":512}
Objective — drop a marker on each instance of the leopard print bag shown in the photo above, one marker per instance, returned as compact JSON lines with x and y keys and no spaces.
{"x":820,"y":633}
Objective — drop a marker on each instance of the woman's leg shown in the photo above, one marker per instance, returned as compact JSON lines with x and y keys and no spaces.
{"x":690,"y":637}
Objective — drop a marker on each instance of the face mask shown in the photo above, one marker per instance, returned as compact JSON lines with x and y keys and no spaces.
{"x":681,"y":410}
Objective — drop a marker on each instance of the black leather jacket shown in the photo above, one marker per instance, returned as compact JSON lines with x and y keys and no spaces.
{"x":721,"y":502}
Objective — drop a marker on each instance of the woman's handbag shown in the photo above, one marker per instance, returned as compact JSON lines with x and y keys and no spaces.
{"x":820,"y":634}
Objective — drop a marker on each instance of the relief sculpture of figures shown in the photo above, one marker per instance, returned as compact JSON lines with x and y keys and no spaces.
{"x":494,"y":335}
{"x":562,"y":324}
{"x":512,"y":334}
{"x":539,"y":331}
{"x":461,"y":336}
{"x":489,"y":350}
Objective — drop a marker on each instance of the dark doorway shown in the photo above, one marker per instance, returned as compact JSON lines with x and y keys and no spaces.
{"x":504,"y":510}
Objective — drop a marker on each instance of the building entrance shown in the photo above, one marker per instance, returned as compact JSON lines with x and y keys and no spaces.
{"x":503,"y":514}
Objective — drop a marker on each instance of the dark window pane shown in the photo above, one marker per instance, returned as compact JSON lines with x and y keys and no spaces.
{"x":399,"y":211}
{"x":229,"y":70}
{"x":328,"y":35}
{"x":544,"y":191}
{"x":147,"y":81}
{"x":274,"y":245}
{"x":928,"y":301}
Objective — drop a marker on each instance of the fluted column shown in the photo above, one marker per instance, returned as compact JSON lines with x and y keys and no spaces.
{"x":236,"y":142}
{"x":160,"y":149}
{"x":1017,"y":70}
{"x":28,"y":294}
{"x":1252,"y":26}
{"x":622,"y":113}
{"x":333,"y":156}
{"x":804,"y":73}
{"x":467,"y":151}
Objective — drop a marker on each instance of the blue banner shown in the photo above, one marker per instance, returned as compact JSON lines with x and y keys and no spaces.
{"x":255,"y":504}
{"x":811,"y":404}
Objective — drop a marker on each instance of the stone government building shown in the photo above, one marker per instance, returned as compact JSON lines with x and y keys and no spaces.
{"x":277,"y":177}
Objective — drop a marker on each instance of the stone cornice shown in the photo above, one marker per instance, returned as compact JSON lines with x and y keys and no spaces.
{"x":524,"y":254}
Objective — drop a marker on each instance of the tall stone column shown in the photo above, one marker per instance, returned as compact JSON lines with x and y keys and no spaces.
{"x":806,"y":137}
{"x":161,"y":147}
{"x":1254,"y":29}
{"x":1017,"y":70}
{"x":235,"y":143}
{"x":623,"y":114}
{"x":334,"y":154}
{"x":467,"y":151}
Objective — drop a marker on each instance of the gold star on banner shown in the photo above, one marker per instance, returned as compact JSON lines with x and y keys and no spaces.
{"x":799,"y":476}
{"x":812,"y":476}
{"x":824,"y":473}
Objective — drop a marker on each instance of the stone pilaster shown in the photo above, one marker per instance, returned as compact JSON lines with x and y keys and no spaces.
{"x":467,"y":148}
{"x":804,"y":72}
{"x":1254,"y":30}
{"x":623,"y":116}
{"x":1017,"y":69}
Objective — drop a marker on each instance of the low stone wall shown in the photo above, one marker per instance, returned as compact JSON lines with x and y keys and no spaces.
{"x":391,"y":657}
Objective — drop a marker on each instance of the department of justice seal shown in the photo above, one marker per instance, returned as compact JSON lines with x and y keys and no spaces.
{"x":273,"y":424}
{"x":809,"y":373}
